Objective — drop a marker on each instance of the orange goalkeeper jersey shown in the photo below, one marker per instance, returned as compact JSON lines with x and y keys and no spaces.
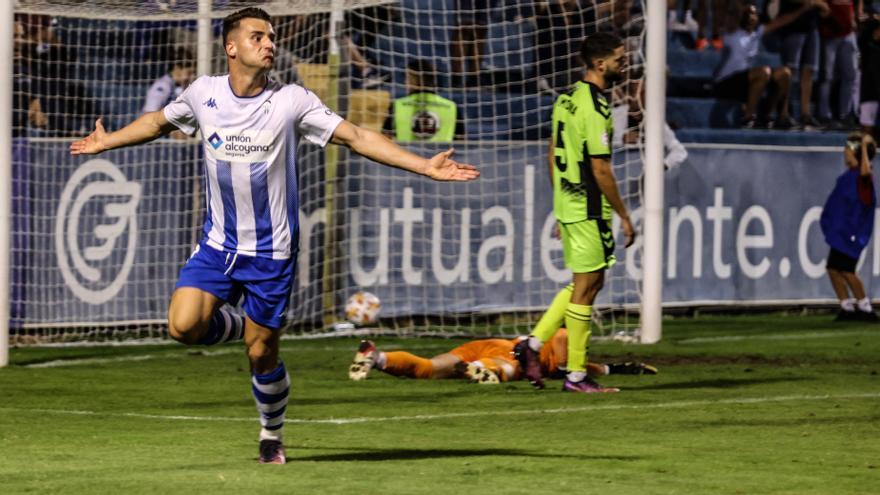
{"x":553,"y":355}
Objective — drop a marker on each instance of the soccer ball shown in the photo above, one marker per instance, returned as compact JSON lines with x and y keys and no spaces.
{"x":362,"y":308}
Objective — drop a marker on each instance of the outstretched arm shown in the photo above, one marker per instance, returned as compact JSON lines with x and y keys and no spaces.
{"x":147,"y":127}
{"x":379,"y":148}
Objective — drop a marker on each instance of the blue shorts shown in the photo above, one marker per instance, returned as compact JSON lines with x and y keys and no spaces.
{"x":263,"y":285}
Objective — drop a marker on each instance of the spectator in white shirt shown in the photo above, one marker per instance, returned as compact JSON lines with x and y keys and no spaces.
{"x":168,"y":87}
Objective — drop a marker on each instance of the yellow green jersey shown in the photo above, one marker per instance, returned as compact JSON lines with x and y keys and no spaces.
{"x":582,"y":129}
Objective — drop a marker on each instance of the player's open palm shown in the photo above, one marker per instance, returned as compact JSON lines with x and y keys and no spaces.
{"x":92,"y":144}
{"x":442,"y":167}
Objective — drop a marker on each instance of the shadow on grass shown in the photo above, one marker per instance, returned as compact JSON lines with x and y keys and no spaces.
{"x":420,"y":454}
{"x":796,"y":422}
{"x":717,"y":383}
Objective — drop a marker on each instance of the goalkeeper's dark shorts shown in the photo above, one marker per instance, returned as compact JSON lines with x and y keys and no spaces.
{"x":841,"y":262}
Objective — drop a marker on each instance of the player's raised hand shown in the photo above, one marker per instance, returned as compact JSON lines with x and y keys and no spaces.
{"x":442,"y":167}
{"x":91,"y":145}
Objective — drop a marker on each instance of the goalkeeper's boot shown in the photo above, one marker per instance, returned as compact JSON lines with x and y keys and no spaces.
{"x":529,"y":363}
{"x":481,"y":375}
{"x":586,"y":386}
{"x":272,"y":452}
{"x":631,"y":368}
{"x":364,"y":360}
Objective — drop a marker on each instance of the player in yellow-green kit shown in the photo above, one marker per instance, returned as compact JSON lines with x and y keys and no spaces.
{"x":584,"y":195}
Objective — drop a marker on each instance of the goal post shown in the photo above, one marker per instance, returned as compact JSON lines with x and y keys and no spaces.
{"x":655,"y":119}
{"x":95,"y":243}
{"x":6,"y":52}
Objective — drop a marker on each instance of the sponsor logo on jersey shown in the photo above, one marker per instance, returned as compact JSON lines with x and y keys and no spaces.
{"x":241,"y":145}
{"x":210,"y":103}
{"x":215,"y":141}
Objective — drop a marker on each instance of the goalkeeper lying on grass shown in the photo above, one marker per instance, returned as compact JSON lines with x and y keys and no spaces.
{"x":481,"y":361}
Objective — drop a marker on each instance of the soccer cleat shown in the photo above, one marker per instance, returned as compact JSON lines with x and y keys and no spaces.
{"x":272,"y":452}
{"x":586,"y":386}
{"x":529,"y":363}
{"x":363,"y":362}
{"x":631,"y":368}
{"x":481,"y":375}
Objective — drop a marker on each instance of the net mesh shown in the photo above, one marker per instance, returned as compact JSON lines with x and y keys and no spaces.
{"x":97,"y":242}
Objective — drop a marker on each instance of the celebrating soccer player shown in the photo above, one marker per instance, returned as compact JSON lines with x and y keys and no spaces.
{"x":251,"y":126}
{"x":584,"y":194}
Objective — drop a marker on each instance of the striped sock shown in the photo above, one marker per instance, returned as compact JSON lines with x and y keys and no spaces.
{"x":225,"y":326}
{"x":270,"y":392}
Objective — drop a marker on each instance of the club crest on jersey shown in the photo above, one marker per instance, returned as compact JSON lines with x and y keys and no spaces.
{"x":210,"y":103}
{"x":267,"y":106}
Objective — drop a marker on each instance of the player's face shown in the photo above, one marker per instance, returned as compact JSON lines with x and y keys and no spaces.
{"x":615,"y":65}
{"x":252,"y":44}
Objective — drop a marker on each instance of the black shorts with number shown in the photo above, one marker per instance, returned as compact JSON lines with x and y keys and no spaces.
{"x":841,"y":262}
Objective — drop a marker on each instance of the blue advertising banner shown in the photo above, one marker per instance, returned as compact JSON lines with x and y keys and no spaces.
{"x":101,"y":239}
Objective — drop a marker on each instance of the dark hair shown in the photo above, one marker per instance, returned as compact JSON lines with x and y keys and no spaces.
{"x":599,"y":45}
{"x":425,"y":71}
{"x":231,"y":21}
{"x":745,"y":13}
{"x":854,"y":142}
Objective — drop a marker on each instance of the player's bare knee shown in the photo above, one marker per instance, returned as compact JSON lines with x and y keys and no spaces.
{"x":263,"y":357}
{"x":184,"y":329}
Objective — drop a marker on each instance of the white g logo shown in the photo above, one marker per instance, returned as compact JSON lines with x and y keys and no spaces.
{"x":122,"y":214}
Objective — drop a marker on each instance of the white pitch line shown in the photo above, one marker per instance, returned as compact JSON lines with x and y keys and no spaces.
{"x":122,"y":359}
{"x":786,"y":336}
{"x":58,"y":363}
{"x":424,"y":417}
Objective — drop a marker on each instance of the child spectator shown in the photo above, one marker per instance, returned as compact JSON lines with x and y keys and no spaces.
{"x":847,"y":222}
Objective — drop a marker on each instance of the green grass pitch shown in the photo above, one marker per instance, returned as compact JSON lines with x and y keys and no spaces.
{"x":742,"y":405}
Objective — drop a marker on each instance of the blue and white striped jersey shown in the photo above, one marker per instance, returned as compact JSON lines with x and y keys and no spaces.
{"x":250,"y":160}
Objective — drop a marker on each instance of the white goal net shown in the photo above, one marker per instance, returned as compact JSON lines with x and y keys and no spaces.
{"x":97,"y":242}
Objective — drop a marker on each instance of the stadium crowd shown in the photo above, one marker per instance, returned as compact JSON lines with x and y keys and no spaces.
{"x":764,"y":54}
